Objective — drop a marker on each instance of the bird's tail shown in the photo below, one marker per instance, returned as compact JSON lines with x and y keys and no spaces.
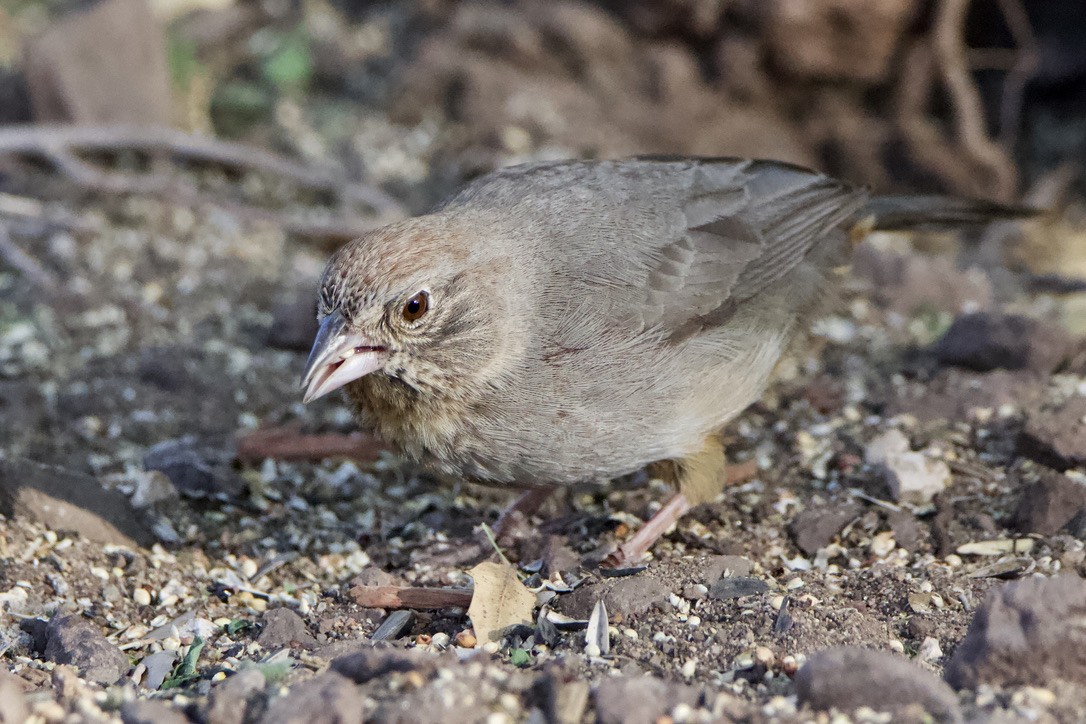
{"x":935,"y":213}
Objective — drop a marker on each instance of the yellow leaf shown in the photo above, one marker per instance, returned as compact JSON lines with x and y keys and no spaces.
{"x":499,"y":600}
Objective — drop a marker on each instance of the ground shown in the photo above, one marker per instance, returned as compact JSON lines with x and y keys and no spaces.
{"x":914,"y":473}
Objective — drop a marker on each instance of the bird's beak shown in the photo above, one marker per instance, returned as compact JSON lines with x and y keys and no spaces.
{"x":339,"y":356}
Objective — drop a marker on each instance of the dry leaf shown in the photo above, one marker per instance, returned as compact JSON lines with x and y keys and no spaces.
{"x":500,"y":600}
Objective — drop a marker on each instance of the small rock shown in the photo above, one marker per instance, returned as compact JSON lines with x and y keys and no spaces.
{"x":284,"y":629}
{"x":716,"y":567}
{"x":327,"y":698}
{"x":395,"y":625}
{"x":848,"y":678}
{"x":737,"y":587}
{"x":231,"y":699}
{"x":639,"y":700}
{"x":13,"y":708}
{"x":913,"y":477}
{"x":907,"y":529}
{"x":630,"y":596}
{"x":150,"y":711}
{"x":1057,"y":437}
{"x":72,"y":640}
{"x":198,"y":469}
{"x":816,"y":528}
{"x":883,"y":447}
{"x":372,"y":662}
{"x":1025,"y":633}
{"x":1049,"y":504}
{"x":65,"y":500}
{"x":985,"y":341}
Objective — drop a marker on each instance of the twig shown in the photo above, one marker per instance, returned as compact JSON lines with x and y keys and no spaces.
{"x":494,"y":543}
{"x":408,"y":597}
{"x":288,"y":443}
{"x":968,"y":109}
{"x":1025,"y":63}
{"x":25,"y":264}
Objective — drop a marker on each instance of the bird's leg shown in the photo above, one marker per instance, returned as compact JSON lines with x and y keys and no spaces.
{"x":527,"y":503}
{"x":699,"y":478}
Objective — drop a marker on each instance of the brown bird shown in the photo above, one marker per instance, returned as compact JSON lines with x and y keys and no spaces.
{"x":559,"y":323}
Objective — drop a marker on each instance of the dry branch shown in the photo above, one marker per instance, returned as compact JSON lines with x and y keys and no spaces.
{"x":408,"y":597}
{"x":289,"y":443}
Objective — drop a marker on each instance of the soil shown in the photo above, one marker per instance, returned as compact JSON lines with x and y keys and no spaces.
{"x":180,"y":331}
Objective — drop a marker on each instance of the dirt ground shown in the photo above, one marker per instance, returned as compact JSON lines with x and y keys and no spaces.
{"x":212,"y":583}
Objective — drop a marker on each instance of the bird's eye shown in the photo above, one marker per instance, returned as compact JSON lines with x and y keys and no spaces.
{"x":416,"y":306}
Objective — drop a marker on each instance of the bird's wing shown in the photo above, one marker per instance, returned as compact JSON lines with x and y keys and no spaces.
{"x":737,"y":227}
{"x":669,"y":244}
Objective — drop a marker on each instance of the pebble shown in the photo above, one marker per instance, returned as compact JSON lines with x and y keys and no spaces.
{"x":141,"y":597}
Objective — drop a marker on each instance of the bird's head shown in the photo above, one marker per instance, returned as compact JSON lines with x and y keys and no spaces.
{"x":411,"y":301}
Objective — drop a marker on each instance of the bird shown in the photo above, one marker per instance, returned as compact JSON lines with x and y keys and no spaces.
{"x":570,"y":322}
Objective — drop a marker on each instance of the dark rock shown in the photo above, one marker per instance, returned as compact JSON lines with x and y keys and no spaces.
{"x":294,"y":323}
{"x":395,"y":625}
{"x":73,"y":640}
{"x":284,"y":629}
{"x":1025,"y":633}
{"x":197,"y":468}
{"x":907,"y":529}
{"x":232,"y":700}
{"x":1056,"y":437}
{"x":920,"y":627}
{"x":327,"y":698}
{"x":105,"y":65}
{"x":1049,"y":504}
{"x":737,"y":587}
{"x":38,"y":629}
{"x":984,"y":341}
{"x":65,"y":500}
{"x":149,"y":711}
{"x":628,"y":596}
{"x":372,"y":662}
{"x":639,"y":700}
{"x":848,"y":678}
{"x":13,"y":707}
{"x":816,"y":528}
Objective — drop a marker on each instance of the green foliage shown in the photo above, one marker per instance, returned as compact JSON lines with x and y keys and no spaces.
{"x":185,"y":671}
{"x":289,"y":65}
{"x":520,"y":658}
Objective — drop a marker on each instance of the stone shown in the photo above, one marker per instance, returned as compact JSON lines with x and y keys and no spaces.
{"x":157,"y":668}
{"x":816,"y":528}
{"x":847,"y":678}
{"x":327,"y":698}
{"x":639,"y":700}
{"x":630,"y":596}
{"x":372,"y":662}
{"x":150,"y":711}
{"x":104,"y":65}
{"x":73,"y":640}
{"x":837,"y":39}
{"x":196,"y":468}
{"x":1026,"y":633}
{"x":1056,"y":436}
{"x":231,"y":700}
{"x":911,"y":477}
{"x":731,"y":587}
{"x":64,"y":500}
{"x":13,"y":706}
{"x":716,"y":567}
{"x":1048,"y":505}
{"x":985,"y":341}
{"x":284,"y":629}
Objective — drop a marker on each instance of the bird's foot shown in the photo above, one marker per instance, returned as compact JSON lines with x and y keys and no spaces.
{"x":629,"y":553}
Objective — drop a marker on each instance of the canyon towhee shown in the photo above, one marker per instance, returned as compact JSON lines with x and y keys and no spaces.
{"x":565,"y":322}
